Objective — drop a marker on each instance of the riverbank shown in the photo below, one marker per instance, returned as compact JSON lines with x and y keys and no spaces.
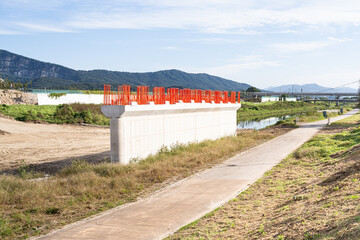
{"x":312,"y":194}
{"x":250,"y":111}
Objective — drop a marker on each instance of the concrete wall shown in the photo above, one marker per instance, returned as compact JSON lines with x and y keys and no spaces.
{"x":44,"y":99}
{"x":140,"y":130}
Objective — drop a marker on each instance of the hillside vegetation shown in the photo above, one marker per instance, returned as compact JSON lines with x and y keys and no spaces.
{"x":52,"y":76}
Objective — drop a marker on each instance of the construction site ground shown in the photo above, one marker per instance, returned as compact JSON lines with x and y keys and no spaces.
{"x":50,"y":147}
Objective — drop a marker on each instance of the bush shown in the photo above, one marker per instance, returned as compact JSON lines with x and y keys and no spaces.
{"x":56,"y":95}
{"x":87,"y":116}
{"x":310,"y":152}
{"x":64,"y":114}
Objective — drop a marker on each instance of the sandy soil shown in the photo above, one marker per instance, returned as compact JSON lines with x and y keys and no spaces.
{"x":49,"y":147}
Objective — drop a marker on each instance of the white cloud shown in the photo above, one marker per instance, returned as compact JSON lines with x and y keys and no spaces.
{"x":339,"y":40}
{"x":8,"y":32}
{"x":42,"y":28}
{"x":214,"y":16}
{"x":241,"y":63}
{"x":170,"y":48}
{"x":300,"y":46}
{"x":294,"y":47}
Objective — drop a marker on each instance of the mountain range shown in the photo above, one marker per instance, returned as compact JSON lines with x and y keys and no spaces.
{"x":309,"y":88}
{"x":52,"y":76}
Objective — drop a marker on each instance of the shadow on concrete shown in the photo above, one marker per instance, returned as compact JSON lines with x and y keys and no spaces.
{"x":55,"y":166}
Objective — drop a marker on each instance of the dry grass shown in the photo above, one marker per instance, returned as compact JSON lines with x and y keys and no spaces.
{"x":32,"y":207}
{"x":313,"y":194}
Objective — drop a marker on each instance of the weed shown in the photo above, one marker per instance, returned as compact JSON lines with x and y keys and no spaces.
{"x":328,"y":205}
{"x":56,"y":95}
{"x":352,"y":197}
{"x":286,"y":207}
{"x":309,"y":236}
{"x":261,"y":229}
{"x":53,"y":210}
{"x":5,"y":230}
{"x":23,"y":169}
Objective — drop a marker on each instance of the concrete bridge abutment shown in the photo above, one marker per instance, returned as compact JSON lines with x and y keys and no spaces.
{"x":136,"y":131}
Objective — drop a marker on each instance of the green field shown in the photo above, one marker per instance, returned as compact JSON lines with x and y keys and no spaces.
{"x":65,"y":113}
{"x":250,"y":110}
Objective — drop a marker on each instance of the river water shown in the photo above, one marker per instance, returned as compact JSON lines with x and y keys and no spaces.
{"x":259,"y":124}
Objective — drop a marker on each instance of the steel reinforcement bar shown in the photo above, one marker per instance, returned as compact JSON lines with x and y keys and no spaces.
{"x":143,"y":96}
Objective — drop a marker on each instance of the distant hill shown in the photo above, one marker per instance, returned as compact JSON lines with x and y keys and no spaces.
{"x":48,"y":75}
{"x":309,"y":88}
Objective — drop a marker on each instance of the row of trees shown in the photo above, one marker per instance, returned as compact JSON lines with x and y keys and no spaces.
{"x":7,"y":84}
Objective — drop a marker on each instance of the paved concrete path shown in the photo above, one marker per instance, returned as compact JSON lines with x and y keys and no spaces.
{"x":183,"y":202}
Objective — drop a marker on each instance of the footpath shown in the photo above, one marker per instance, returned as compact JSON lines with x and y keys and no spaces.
{"x":185,"y":201}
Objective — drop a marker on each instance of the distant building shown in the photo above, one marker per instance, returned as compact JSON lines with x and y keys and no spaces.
{"x":274,"y":99}
{"x":269,"y":99}
{"x":290,"y":99}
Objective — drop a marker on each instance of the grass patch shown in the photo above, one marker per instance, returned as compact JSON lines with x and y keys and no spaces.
{"x":308,"y":116}
{"x":100,"y":92}
{"x":65,"y":113}
{"x":56,"y":95}
{"x":249,"y":110}
{"x":29,"y":207}
{"x":312,"y":194}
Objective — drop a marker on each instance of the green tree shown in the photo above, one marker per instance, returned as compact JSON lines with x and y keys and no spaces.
{"x":252,"y":89}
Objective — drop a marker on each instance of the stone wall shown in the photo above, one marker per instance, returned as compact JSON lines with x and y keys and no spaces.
{"x":11,"y":97}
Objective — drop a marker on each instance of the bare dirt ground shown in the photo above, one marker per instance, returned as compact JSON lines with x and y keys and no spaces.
{"x":49,"y":147}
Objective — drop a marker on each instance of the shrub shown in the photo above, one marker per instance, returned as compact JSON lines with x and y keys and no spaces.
{"x":56,"y":95}
{"x":65,"y":114}
{"x":310,"y":152}
{"x":87,"y":116}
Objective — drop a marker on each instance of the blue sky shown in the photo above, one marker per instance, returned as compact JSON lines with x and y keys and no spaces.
{"x":262,"y":43}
